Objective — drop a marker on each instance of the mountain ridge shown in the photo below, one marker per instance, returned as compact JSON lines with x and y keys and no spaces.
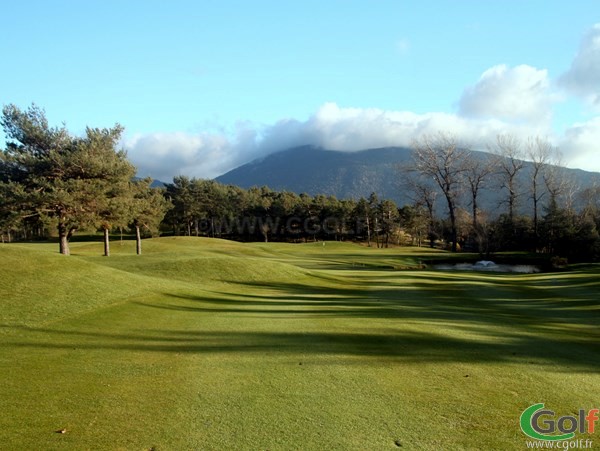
{"x":315,"y":170}
{"x":351,"y":175}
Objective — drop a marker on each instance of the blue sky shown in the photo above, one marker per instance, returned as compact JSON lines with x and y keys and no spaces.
{"x":202,"y":87}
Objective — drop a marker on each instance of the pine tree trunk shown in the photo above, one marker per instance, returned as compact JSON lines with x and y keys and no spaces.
{"x":64,"y":245}
{"x":63,"y":239}
{"x":106,"y":243}
{"x":138,"y":241}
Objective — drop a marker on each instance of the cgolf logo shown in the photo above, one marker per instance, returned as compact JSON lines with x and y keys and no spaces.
{"x":541,"y":424}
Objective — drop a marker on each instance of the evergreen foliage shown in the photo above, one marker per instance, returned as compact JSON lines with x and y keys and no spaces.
{"x":50,"y":178}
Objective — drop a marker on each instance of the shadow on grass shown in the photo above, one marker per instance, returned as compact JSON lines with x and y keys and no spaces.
{"x":402,"y":346}
{"x":531,"y":303}
{"x":355,"y":261}
{"x":417,"y":317}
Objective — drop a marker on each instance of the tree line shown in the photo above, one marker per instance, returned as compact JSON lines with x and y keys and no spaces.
{"x":541,"y":209}
{"x":52,"y":180}
{"x":208,"y":208}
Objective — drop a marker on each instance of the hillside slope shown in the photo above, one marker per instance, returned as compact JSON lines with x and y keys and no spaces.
{"x":313,"y":170}
{"x":350,"y":175}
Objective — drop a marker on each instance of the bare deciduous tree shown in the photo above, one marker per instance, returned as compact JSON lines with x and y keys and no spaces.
{"x":554,"y":180}
{"x":440,"y":159}
{"x":540,"y":152}
{"x":477,"y":172}
{"x":509,"y":163}
{"x":424,"y":195}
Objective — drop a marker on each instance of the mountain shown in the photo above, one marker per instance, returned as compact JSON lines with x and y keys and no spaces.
{"x":313,"y":170}
{"x":155,"y":183}
{"x":350,"y":175}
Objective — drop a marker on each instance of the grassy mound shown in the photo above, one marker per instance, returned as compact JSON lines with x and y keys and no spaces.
{"x":41,"y":287}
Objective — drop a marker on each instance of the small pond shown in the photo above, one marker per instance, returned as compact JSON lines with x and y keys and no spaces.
{"x":486,"y":265}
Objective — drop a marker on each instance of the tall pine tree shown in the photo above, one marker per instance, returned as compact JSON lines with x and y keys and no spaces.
{"x":148,"y":208}
{"x":60,"y":178}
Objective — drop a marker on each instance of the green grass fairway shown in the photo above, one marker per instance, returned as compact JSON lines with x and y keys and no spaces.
{"x":210,"y":344}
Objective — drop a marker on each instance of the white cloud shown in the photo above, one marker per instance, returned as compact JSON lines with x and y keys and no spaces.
{"x":583,"y":77}
{"x":581,"y":145}
{"x":164,"y":155}
{"x":356,"y":128}
{"x":518,"y":94}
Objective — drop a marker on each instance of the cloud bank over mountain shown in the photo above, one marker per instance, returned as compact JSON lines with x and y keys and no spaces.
{"x":519,"y":100}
